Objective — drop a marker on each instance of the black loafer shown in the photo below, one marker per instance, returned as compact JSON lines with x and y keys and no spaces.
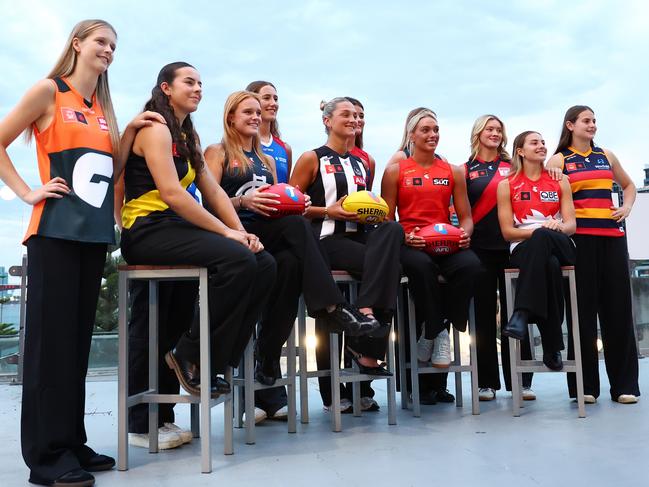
{"x":267,"y":371}
{"x":187,"y":372}
{"x":553,"y":360}
{"x":74,"y":478}
{"x":342,"y":319}
{"x":380,"y":371}
{"x":98,"y":463}
{"x":442,"y":395}
{"x":219,"y":386}
{"x":516,"y":327}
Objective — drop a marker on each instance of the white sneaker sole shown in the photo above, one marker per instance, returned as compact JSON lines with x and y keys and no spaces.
{"x":162,"y":445}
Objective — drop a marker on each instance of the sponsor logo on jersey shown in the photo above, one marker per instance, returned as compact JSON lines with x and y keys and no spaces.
{"x":526,"y":196}
{"x":580,"y":165}
{"x":602,"y":166}
{"x":331,"y":168}
{"x":103,"y":125}
{"x":442,"y":181}
{"x":549,"y":196}
{"x":174,"y":153}
{"x":417,"y":182}
{"x":359,"y":180}
{"x":503,"y":171}
{"x":72,"y":116}
{"x":407,"y":181}
{"x":474,"y":175}
{"x":571,"y":166}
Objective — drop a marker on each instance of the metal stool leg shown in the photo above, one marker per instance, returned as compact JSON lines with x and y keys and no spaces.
{"x":514,"y":350}
{"x":122,"y":375}
{"x":302,"y":359}
{"x":153,"y":364}
{"x":334,"y":410}
{"x":195,"y":421}
{"x":291,"y":373}
{"x":228,"y":413}
{"x":473,"y":354}
{"x":401,"y":342}
{"x":249,"y":390}
{"x":457,"y":360}
{"x":391,"y":382}
{"x":576,"y":344}
{"x":414,"y":365}
{"x":206,"y":378}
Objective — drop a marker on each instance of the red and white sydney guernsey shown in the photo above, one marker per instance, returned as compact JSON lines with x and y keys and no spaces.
{"x":534,"y":202}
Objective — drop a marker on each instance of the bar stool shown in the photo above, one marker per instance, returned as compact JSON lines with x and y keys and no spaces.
{"x":245,"y":386}
{"x":337,"y":374}
{"x":456,"y":365}
{"x":518,"y":366}
{"x":202,"y":404}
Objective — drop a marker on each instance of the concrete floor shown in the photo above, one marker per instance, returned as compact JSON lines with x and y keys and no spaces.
{"x":547,"y":446}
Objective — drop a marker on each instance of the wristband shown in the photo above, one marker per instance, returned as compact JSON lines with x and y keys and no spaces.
{"x":241,"y":201}
{"x":326,"y":213}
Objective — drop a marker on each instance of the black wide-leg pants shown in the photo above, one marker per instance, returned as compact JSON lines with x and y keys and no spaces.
{"x":490,"y":290}
{"x":373,"y":257}
{"x":604,"y":291}
{"x":539,"y":288}
{"x":64,"y":280}
{"x":238,"y":283}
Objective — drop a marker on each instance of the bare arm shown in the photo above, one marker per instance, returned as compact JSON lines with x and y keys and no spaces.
{"x":569,"y":224}
{"x":627,"y":185}
{"x":289,"y":159}
{"x":372,"y":164}
{"x":390,"y":189}
{"x":37,"y":106}
{"x":462,"y":205}
{"x":144,"y":119}
{"x":396,"y":157}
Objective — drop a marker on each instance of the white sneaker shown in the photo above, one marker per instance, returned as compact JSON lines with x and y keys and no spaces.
{"x":345,"y":404}
{"x":627,"y":399}
{"x":281,"y":414}
{"x":589,"y":399}
{"x":424,"y":349}
{"x":369,"y":404}
{"x":260,"y":415}
{"x":528,"y":394}
{"x":442,"y":350}
{"x":486,"y":394}
{"x":166,"y":439}
{"x":185,"y":435}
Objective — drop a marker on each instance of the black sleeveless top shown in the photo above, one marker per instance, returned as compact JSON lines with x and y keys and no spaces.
{"x":238,"y":179}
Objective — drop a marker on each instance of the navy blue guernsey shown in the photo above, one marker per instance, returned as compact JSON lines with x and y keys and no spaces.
{"x":238,"y":179}
{"x":482,"y":178}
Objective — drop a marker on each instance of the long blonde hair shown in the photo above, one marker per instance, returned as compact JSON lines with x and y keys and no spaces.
{"x":231,"y":141}
{"x":66,"y":65}
{"x":404,"y":139}
{"x":517,"y":160}
{"x":413,"y":121}
{"x":477,"y":129}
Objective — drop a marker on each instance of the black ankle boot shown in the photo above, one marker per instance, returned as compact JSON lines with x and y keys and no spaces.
{"x":553,"y":360}
{"x":517,"y":325}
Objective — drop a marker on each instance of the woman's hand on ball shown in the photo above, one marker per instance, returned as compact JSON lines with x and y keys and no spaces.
{"x":260,"y":201}
{"x":414,"y":240}
{"x":465,"y":240}
{"x":336,"y":212}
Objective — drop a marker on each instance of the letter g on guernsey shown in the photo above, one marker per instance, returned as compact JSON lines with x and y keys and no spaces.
{"x":91,"y":178}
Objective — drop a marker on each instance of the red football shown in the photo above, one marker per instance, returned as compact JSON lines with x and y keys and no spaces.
{"x":291,"y":200}
{"x":441,"y":238}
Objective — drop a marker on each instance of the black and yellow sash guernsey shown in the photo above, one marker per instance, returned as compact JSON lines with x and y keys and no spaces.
{"x":142,"y":198}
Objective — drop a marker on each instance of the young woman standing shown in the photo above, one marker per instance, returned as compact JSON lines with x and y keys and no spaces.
{"x":537,"y":216}
{"x":486,"y":167}
{"x":71,"y":117}
{"x":419,"y":189}
{"x":269,"y":136}
{"x":239,"y":165}
{"x":603,"y":285}
{"x":328,"y":174}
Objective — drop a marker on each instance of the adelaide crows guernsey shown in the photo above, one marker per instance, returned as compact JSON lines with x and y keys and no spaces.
{"x":143,"y":203}
{"x":238,"y":179}
{"x":482,"y":178}
{"x":338,"y":175}
{"x":76,"y":146}
{"x":591,"y":181}
{"x":424,"y":194}
{"x":534,"y":202}
{"x":277,"y":150}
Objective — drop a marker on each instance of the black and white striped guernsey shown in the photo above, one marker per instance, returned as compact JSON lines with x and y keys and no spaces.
{"x":338,"y":176}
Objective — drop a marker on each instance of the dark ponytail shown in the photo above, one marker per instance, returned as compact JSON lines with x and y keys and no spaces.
{"x":183,"y":136}
{"x":565,"y":140}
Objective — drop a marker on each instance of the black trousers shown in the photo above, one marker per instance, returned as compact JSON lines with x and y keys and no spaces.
{"x":434,"y":302}
{"x":489,"y":290}
{"x":540,"y":288}
{"x":64,"y":281}
{"x":604,"y":291}
{"x":372,"y":256}
{"x":301,"y":269}
{"x":238,"y":283}
{"x":176,"y":306}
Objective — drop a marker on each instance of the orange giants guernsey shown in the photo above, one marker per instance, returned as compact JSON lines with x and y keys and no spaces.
{"x":534,"y":202}
{"x":424,"y":194}
{"x":76,"y":146}
{"x":591,"y":181}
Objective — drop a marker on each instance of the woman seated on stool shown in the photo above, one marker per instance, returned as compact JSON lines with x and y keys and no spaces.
{"x":537,"y":216}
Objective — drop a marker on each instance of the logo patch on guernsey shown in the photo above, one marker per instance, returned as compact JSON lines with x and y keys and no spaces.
{"x":417,"y":182}
{"x":444,"y":181}
{"x":571,"y":166}
{"x":549,"y":196}
{"x":91,"y":178}
{"x":359,"y":180}
{"x":330,"y":168}
{"x":503,"y":171}
{"x":525,"y":196}
{"x":72,"y":116}
{"x":474,"y":175}
{"x":103,"y":125}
